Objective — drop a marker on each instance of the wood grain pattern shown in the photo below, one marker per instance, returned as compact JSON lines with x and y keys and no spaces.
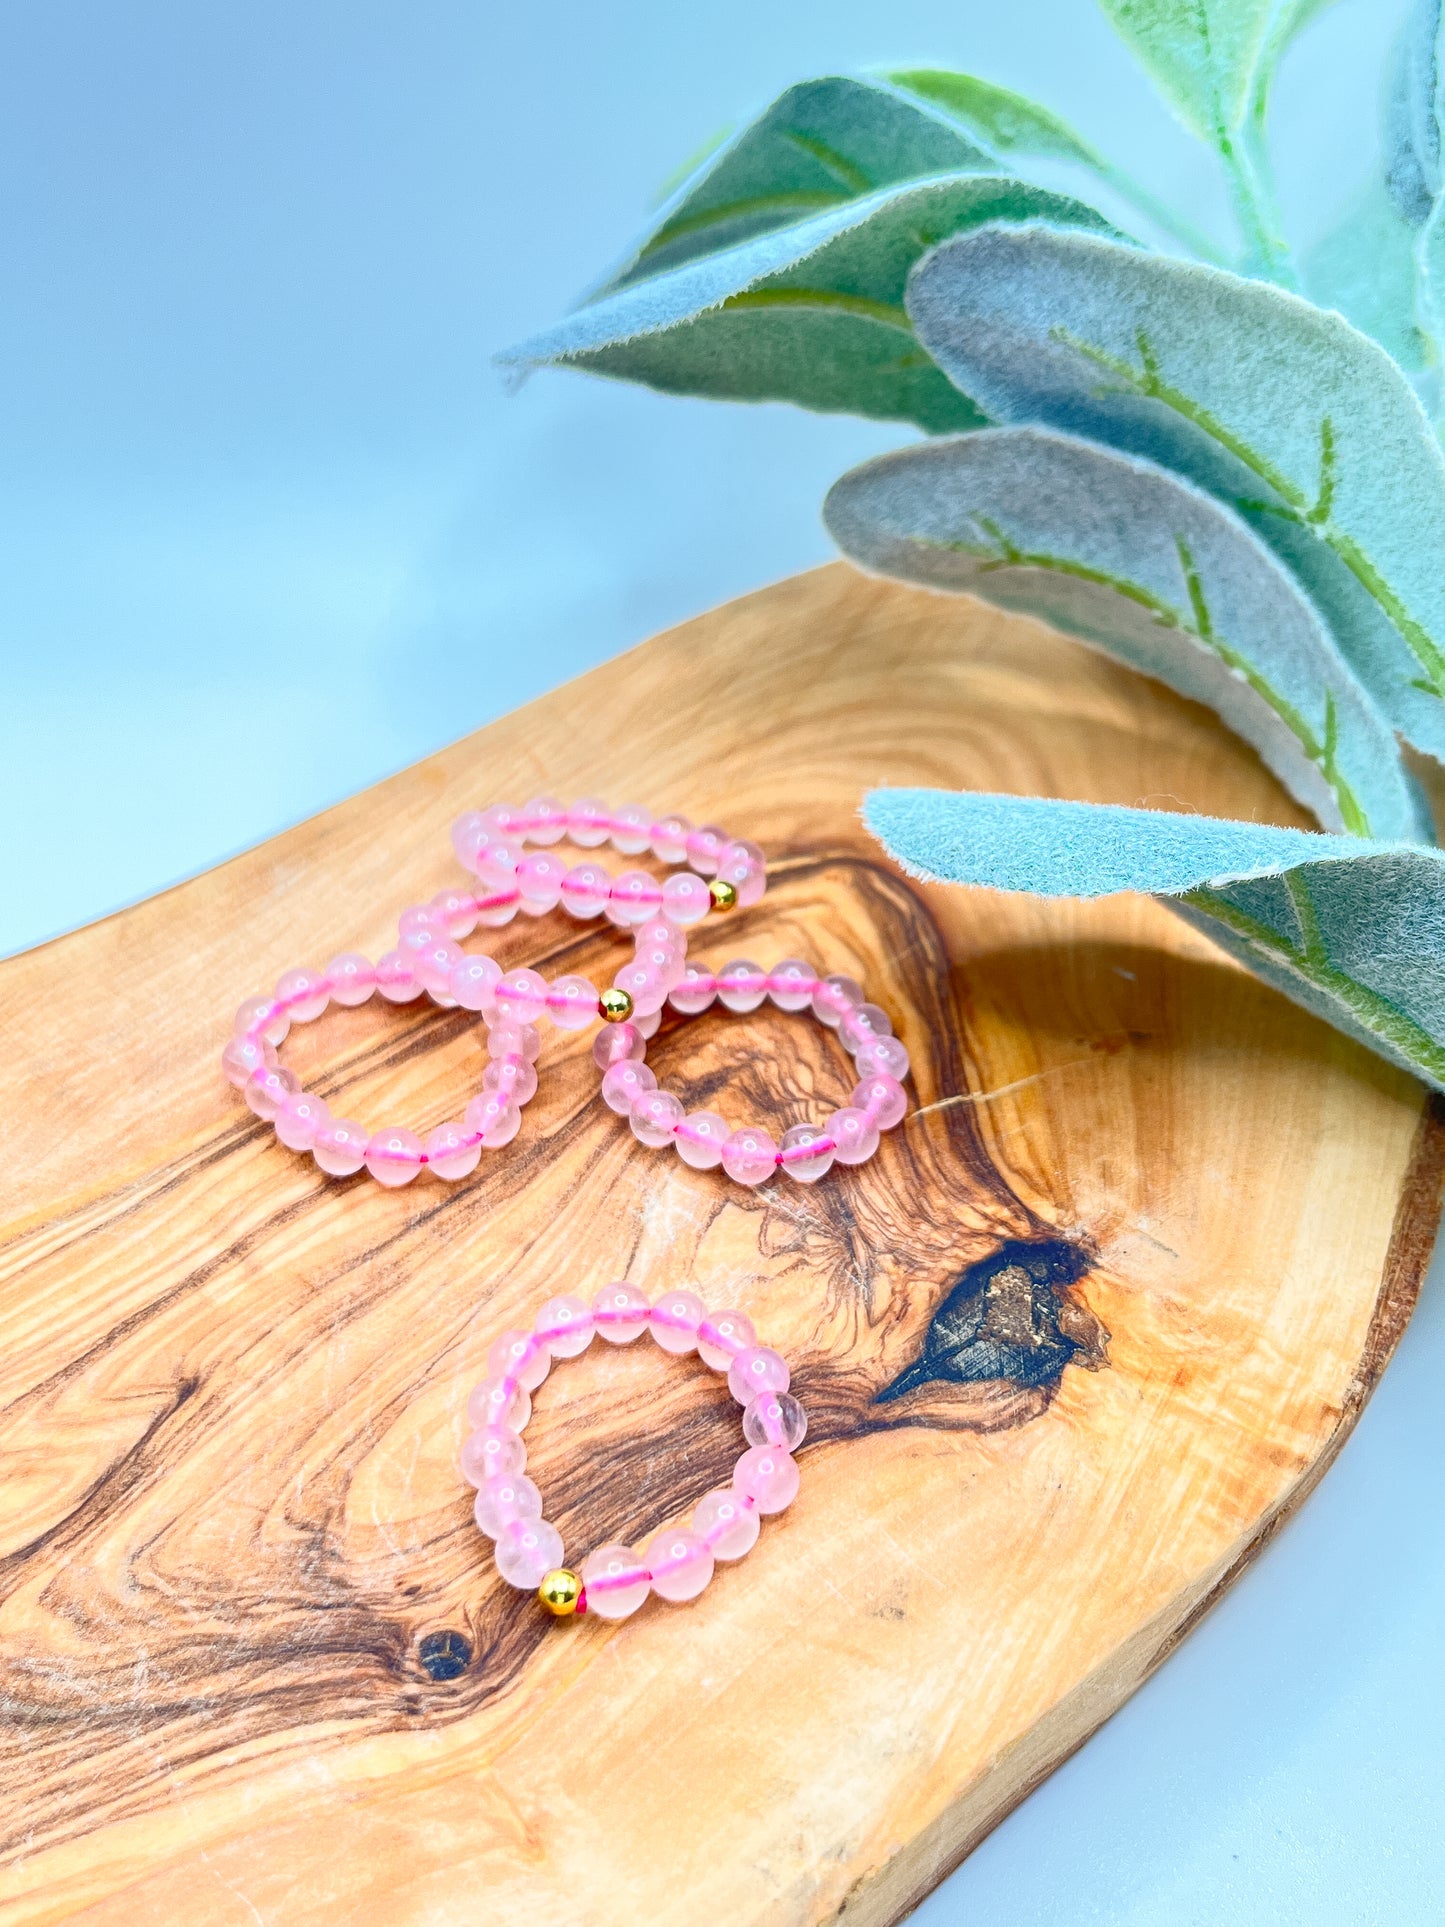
{"x":1074,"y":1343}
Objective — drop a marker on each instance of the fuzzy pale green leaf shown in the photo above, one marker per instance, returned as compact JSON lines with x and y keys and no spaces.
{"x":1010,"y":125}
{"x":1204,"y":55}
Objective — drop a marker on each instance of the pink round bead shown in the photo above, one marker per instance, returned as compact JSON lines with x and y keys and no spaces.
{"x":512,"y":1077}
{"x":418,"y":926}
{"x":539,"y":879}
{"x":647,"y":1026}
{"x":644,"y":985}
{"x":674,"y":1320}
{"x":859,"y":1027}
{"x":521,"y":996}
{"x":883,"y":1098}
{"x":565,"y":1326}
{"x":395,"y":978}
{"x":585,"y":890}
{"x":654,"y":1116}
{"x":501,"y":1502}
{"x":617,"y":1044}
{"x":339,"y":1147}
{"x":522,"y":1356}
{"x":494,"y":1117}
{"x":806,"y":1152}
{"x":470,"y":837}
{"x":669,"y":839}
{"x":680,"y":1563}
{"x":616,"y":1581}
{"x":572,"y":1003}
{"x":455,"y":912}
{"x":686,"y":899}
{"x":452,"y":1152}
{"x":775,"y":1418}
{"x":589,"y":822}
{"x":742,"y":985}
{"x":741,"y":847}
{"x":728,"y":1524}
{"x":473,"y":982}
{"x":854,"y":1135}
{"x":694,"y":991}
{"x":300,"y":1117}
{"x":256,"y":1015}
{"x":545,"y":819}
{"x":768,"y":1476}
{"x":526,"y":1551}
{"x":495,"y":1452}
{"x":504,"y":820}
{"x":620,"y":1313}
{"x":750,"y":1156}
{"x":705,"y":848}
{"x":514,"y":1040}
{"x":700,"y":1138}
{"x":624,"y":1083}
{"x":305,"y":994}
{"x":668,"y":959}
{"x":747,"y":876}
{"x":434,"y":965}
{"x":634,"y":898}
{"x":631,"y":829}
{"x":351,"y":978}
{"x":244,"y":1056}
{"x":882,"y":1057}
{"x":266,"y":1090}
{"x":757,"y":1370}
{"x":498,"y":898}
{"x":791,"y":984}
{"x":721,"y":1336}
{"x":833,"y":996}
{"x":659,"y":930}
{"x":394,"y":1156}
{"x":497,"y":1401}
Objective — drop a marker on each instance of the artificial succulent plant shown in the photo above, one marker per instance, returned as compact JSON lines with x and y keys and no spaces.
{"x":1224,"y":472}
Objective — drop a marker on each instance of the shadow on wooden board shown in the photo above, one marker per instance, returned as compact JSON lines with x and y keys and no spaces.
{"x":1073,"y":1344}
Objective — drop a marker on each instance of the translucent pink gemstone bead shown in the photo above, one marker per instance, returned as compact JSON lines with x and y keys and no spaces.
{"x":511,"y":1077}
{"x":393,"y":1156}
{"x":833,"y":996}
{"x":658,"y":930}
{"x":502,"y":1502}
{"x":882,"y":1057}
{"x":521,"y":996}
{"x":539,"y":879}
{"x":470,"y":837}
{"x":352,"y":979}
{"x":455,"y":912}
{"x":514,"y":1040}
{"x":680,"y":1563}
{"x":700,"y":1138}
{"x":647,"y":1026}
{"x":305,"y":994}
{"x":620,"y":1313}
{"x":748,"y":878}
{"x":585,"y":890}
{"x":669,"y":839}
{"x":434,"y":965}
{"x":498,"y":898}
{"x":694,"y":991}
{"x":674,"y":1321}
{"x":644,"y":985}
{"x":685,"y":899}
{"x":496,"y":1452}
{"x":616,"y":1581}
{"x":775,"y":1418}
{"x":791,"y":984}
{"x":300,"y":1117}
{"x":395,"y":978}
{"x":750,"y":1156}
{"x":705,"y":848}
{"x":266,"y":1090}
{"x":742,"y":985}
{"x":473,"y":982}
{"x":721,"y":1336}
{"x":757,"y":1370}
{"x":728,"y":1524}
{"x":418,"y":926}
{"x":616,"y":1044}
{"x":631,"y":829}
{"x":504,"y":820}
{"x":497,"y":1401}
{"x":243,"y":1056}
{"x":768,"y":1476}
{"x":667,"y":959}
{"x":452,"y":1152}
{"x":565,"y":1326}
{"x":624,"y":1083}
{"x":546,"y":820}
{"x":572,"y":1003}
{"x":256,"y":1014}
{"x":654,"y":1116}
{"x":806,"y":1152}
{"x":526,"y":1551}
{"x":494,"y":1117}
{"x":854,"y":1135}
{"x":589,"y":822}
{"x":634,"y":898}
{"x":523,"y":1356}
{"x":339,"y":1147}
{"x":860,"y":1026}
{"x":883,"y":1098}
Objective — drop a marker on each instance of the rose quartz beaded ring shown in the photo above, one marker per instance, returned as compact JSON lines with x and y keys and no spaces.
{"x":750,"y":1156}
{"x":678,"y":1562}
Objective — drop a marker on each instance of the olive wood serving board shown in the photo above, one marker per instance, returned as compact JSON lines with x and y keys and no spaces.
{"x":1074,"y":1343}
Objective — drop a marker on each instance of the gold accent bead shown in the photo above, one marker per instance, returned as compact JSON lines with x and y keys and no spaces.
{"x":560,"y":1591}
{"x":724,"y":895}
{"x":615,"y":1005}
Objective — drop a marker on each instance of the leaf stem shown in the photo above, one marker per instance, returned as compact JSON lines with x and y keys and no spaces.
{"x":1164,"y":217}
{"x":1251,"y":189}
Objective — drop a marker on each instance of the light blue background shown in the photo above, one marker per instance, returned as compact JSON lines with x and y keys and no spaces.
{"x":269,"y":528}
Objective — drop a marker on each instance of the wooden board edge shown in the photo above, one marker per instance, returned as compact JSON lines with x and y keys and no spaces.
{"x":886,"y":1898}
